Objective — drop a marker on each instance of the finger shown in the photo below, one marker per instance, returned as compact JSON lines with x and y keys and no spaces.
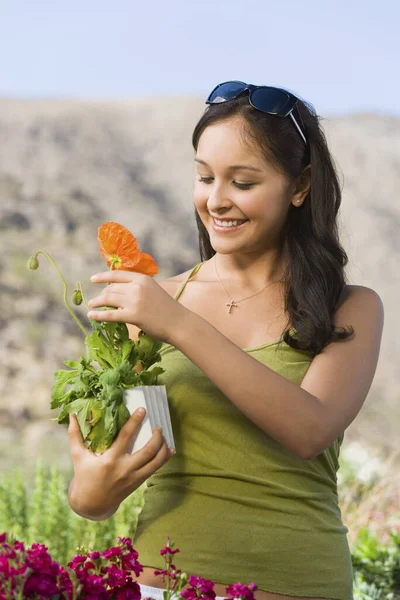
{"x":118,"y":315}
{"x":117,"y":276}
{"x":162,"y":457}
{"x":119,"y":288}
{"x":150,"y":450}
{"x":107,"y":299}
{"x":121,"y":443}
{"x":76,"y":443}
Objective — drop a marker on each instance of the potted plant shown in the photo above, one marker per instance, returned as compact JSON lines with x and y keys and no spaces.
{"x":104,"y":388}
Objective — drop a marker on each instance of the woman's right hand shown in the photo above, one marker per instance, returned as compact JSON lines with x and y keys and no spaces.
{"x":102,"y":482}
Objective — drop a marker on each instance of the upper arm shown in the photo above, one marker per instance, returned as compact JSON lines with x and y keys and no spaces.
{"x":341,"y":375}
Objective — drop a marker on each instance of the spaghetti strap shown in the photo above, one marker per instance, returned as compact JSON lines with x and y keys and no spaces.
{"x":183,"y":284}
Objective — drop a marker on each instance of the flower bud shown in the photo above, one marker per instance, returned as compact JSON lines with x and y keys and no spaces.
{"x":77,"y":297}
{"x":33,"y":263}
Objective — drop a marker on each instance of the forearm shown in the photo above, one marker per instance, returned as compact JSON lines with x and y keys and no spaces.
{"x":285,"y":411}
{"x":84,"y":510}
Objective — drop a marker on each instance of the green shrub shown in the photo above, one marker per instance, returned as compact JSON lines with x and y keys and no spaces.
{"x":376,"y":566}
{"x":42,"y":514}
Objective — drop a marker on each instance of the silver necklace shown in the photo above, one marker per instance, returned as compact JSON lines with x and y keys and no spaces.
{"x":233,"y":302}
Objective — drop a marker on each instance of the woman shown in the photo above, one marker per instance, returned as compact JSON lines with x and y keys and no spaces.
{"x":269,"y":356}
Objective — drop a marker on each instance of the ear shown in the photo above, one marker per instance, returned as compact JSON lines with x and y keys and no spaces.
{"x":303,"y":185}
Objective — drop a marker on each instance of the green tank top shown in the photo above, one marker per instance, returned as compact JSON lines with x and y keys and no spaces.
{"x":239,"y":505}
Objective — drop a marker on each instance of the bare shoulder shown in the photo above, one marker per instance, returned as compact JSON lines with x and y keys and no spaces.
{"x":359,"y":303}
{"x":177,"y":278}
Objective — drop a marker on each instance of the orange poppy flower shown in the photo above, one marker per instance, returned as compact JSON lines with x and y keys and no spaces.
{"x":119,"y":247}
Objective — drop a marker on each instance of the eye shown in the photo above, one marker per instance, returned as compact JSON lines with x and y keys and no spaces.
{"x":241,"y":186}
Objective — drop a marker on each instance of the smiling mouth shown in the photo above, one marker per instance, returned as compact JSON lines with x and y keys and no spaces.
{"x":222,"y":221}
{"x":227,"y":228}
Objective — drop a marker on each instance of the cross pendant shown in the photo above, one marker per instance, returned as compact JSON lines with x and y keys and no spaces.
{"x":232,"y":303}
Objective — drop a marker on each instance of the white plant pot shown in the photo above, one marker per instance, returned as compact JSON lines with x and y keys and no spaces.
{"x":154,"y":399}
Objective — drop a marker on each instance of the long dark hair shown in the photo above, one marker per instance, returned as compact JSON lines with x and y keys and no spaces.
{"x":314,"y":278}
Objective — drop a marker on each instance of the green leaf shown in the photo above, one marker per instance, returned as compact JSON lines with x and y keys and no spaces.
{"x":111,"y":395}
{"x":110,"y":377}
{"x":150,"y":377}
{"x":99,"y":350}
{"x":96,"y":325}
{"x":62,"y":379}
{"x":103,"y":427}
{"x":80,"y":405}
{"x":122,"y":332}
{"x":127,"y":350}
{"x":129,"y":376}
{"x":73,"y":364}
{"x":81,"y":388}
{"x":122,"y":416}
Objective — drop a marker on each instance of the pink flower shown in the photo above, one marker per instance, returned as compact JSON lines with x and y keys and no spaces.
{"x":116,"y":576}
{"x":168,"y":550}
{"x":65,"y":583}
{"x":130,"y":591}
{"x":171,"y":572}
{"x":5,"y":569}
{"x":238,"y":590}
{"x":41,"y":583}
{"x":201,"y":588}
{"x":129,"y":562}
{"x":78,"y":560}
{"x":19,"y":546}
{"x":94,"y":588}
{"x":111,"y":552}
{"x":32,"y":572}
{"x":42,"y":571}
{"x":127,"y":542}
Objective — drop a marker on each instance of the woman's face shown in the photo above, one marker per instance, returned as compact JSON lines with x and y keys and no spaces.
{"x":260,"y":193}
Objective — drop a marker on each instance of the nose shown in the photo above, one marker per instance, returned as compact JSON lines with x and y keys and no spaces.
{"x":217,"y":199}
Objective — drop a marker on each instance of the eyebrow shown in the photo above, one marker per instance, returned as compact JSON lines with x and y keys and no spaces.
{"x":232,"y":168}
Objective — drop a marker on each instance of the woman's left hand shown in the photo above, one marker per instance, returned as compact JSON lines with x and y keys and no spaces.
{"x":139,"y":300}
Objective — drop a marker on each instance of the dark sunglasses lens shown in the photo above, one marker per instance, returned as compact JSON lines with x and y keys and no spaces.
{"x":273,"y":101}
{"x":226,"y":91}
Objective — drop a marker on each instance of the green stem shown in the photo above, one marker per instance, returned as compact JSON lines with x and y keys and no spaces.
{"x":168,"y":561}
{"x":71,"y":312}
{"x":80,"y":288}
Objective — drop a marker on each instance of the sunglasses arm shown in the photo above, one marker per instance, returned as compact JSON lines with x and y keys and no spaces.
{"x":298,"y":128}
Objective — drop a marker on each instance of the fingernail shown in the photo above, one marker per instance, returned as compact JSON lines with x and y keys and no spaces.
{"x":172,"y":451}
{"x":93,"y":278}
{"x":141,"y":412}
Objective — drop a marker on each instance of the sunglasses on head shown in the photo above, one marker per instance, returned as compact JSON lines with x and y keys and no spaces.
{"x":271,"y":100}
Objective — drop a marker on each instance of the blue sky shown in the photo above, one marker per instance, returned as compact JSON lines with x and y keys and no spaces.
{"x":341,"y":55}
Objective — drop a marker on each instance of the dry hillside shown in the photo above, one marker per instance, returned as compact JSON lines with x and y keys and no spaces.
{"x":68,"y":166}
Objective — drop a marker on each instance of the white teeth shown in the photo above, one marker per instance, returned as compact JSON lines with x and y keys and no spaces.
{"x":228,"y":223}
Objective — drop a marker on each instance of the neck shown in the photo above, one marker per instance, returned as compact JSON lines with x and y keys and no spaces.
{"x":245,"y":272}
